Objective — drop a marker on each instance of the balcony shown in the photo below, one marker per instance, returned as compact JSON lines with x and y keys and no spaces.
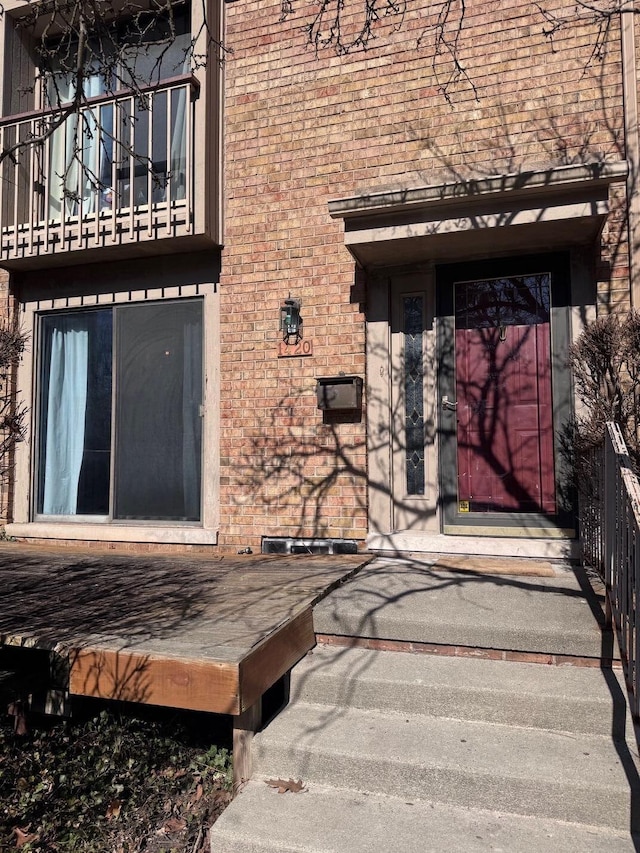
{"x":118,"y":174}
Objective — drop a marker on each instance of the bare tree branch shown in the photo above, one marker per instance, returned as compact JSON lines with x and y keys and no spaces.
{"x":600,"y":15}
{"x":128,"y":51}
{"x":345,"y":27}
{"x":330,"y":27}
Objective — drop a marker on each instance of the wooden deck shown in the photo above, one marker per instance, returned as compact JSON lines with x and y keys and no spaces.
{"x":201,"y":633}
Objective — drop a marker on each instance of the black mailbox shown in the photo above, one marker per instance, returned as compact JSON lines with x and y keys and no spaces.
{"x":339,"y":393}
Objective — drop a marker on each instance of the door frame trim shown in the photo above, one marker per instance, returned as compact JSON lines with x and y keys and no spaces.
{"x":558,"y":265}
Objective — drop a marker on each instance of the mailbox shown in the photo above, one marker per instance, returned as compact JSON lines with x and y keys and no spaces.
{"x":339,"y":393}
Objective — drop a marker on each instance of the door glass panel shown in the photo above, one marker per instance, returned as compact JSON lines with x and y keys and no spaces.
{"x":158,"y":423}
{"x":152,"y":368}
{"x":75,"y":420}
{"x":413,"y":310}
{"x":519,"y":300}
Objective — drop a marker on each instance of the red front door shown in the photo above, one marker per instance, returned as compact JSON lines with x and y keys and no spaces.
{"x":504,"y":400}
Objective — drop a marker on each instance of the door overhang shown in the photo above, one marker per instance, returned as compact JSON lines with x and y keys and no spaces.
{"x":529,"y":211}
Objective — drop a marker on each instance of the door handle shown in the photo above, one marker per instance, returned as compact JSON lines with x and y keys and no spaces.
{"x":450,"y":405}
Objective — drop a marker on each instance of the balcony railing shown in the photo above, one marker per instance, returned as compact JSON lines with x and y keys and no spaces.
{"x":118,"y":171}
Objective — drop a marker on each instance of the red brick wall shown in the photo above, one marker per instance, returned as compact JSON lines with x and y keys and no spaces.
{"x":301,"y":129}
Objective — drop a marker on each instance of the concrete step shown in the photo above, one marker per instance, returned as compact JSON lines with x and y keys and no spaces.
{"x":574,"y":778}
{"x":411,"y":600}
{"x":557,"y":698}
{"x":418,"y":752}
{"x":333,"y":820}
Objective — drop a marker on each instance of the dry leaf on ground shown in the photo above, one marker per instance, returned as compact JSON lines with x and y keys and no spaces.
{"x":113,"y":812}
{"x":284,"y":785}
{"x":173,"y":824}
{"x":23,"y":836}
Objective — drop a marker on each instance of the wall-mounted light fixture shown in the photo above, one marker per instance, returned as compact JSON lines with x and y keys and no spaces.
{"x":290,"y":320}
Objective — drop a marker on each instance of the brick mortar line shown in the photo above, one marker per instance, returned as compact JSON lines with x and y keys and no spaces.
{"x":417,"y":647}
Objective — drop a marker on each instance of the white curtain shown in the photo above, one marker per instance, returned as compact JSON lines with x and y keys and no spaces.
{"x":65,"y":416}
{"x":78,"y":139}
{"x":60,"y":91}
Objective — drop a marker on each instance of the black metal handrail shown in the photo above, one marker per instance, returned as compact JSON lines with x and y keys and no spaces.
{"x":610,"y":536}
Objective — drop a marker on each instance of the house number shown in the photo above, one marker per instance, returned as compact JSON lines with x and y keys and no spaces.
{"x":289,"y":350}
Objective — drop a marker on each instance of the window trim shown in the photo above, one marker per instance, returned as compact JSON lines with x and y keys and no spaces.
{"x":24,"y":522}
{"x":112,"y":532}
{"x":39,"y":434}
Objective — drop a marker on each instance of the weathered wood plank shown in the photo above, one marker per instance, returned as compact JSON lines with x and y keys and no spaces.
{"x":194,"y":685}
{"x":274,"y":656}
{"x":244,"y":727}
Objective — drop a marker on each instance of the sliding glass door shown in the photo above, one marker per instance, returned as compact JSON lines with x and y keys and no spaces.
{"x":120,"y":399}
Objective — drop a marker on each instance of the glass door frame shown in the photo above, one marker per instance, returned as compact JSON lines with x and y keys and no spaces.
{"x":37,"y":468}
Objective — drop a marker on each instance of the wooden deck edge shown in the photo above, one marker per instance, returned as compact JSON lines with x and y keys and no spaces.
{"x":194,"y":685}
{"x":262,"y":667}
{"x":338,"y":582}
{"x":274,"y":656}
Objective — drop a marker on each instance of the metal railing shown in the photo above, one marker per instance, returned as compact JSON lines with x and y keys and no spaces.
{"x":118,"y":170}
{"x":591,"y":492}
{"x":610,"y":532}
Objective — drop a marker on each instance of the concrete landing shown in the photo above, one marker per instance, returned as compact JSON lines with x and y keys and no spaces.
{"x":415,"y":600}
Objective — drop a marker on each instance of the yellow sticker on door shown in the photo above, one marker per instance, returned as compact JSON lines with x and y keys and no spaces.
{"x":464,"y":506}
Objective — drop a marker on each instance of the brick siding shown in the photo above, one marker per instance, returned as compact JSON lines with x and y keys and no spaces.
{"x":302,"y":128}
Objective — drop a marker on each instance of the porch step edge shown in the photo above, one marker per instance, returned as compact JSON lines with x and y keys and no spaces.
{"x":346,"y":821}
{"x":556,"y":775}
{"x":584,"y":700}
{"x":419,"y":647}
{"x":409,"y":543}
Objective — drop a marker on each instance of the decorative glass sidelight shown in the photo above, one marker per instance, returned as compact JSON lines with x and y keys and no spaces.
{"x":413,"y":324}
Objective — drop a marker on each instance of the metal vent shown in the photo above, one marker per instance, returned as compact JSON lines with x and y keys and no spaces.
{"x":289,"y":545}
